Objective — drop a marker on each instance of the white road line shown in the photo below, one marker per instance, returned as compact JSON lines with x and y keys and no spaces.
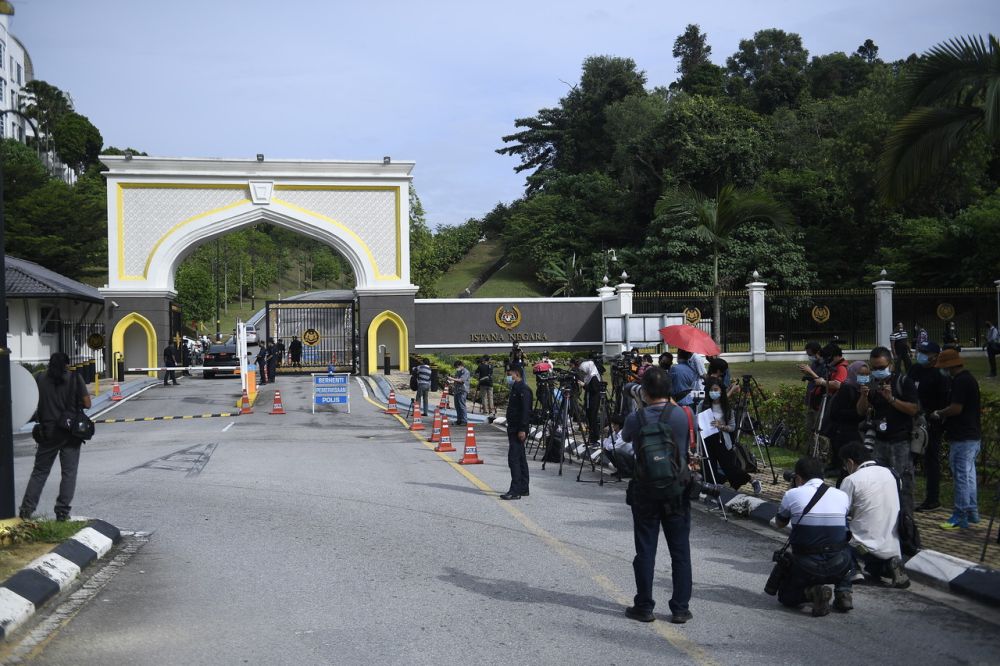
{"x":231,"y":424}
{"x":123,"y":401}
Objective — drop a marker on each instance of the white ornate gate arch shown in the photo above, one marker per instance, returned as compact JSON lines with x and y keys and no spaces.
{"x":161,"y":209}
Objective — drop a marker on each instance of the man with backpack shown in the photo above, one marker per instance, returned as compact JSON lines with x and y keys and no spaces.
{"x":661,"y":435}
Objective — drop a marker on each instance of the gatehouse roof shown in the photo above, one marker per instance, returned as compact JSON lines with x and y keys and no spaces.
{"x":26,"y":279}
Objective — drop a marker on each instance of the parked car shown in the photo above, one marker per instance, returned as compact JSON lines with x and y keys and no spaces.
{"x":251,"y":334}
{"x":221,"y":355}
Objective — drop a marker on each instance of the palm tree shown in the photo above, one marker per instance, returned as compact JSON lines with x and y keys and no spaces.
{"x":715,"y":221}
{"x":953,"y":93}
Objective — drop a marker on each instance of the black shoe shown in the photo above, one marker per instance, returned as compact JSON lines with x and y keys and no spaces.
{"x":843,"y":602}
{"x":640,"y":615}
{"x":62,"y":517}
{"x":510,"y":496}
{"x":525,"y":494}
{"x":928,"y":506}
{"x":24,"y":515}
{"x":681,"y":618}
{"x":819,"y":595}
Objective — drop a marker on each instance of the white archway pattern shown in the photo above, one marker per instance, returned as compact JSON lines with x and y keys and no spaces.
{"x":161,"y":209}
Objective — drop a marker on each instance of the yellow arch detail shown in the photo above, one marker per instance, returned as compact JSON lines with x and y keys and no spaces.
{"x":118,"y":338}
{"x":404,"y":340}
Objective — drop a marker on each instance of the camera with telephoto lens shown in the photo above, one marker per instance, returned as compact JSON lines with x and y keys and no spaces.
{"x":782,"y":565}
{"x":698,"y":486}
{"x":788,"y":475}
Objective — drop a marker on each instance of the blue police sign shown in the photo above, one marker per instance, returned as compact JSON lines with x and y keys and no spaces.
{"x":332,"y":389}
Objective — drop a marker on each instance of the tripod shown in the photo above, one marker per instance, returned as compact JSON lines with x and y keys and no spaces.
{"x":815,"y":450}
{"x":604,"y":426}
{"x":751,"y":394}
{"x":702,"y":451}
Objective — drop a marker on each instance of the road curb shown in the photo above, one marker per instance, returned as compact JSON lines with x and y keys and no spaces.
{"x":40,"y":580}
{"x":382,"y":388}
{"x":946,"y":572}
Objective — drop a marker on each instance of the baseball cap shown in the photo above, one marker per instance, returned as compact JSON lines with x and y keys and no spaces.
{"x":949,"y":358}
{"x":929,"y":347}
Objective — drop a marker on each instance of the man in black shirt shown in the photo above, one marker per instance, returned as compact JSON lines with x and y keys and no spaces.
{"x":518,"y":415}
{"x":890,"y":402}
{"x":295,"y":349}
{"x":169,"y":361}
{"x":962,"y":425}
{"x":932,"y":388}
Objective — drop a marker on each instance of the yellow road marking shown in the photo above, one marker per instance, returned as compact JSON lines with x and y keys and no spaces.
{"x":666,"y":631}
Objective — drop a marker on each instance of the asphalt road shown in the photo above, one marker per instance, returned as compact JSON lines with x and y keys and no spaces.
{"x":336,"y":538}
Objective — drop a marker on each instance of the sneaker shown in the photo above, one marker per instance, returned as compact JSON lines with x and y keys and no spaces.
{"x":857,"y":577}
{"x":900,"y":580}
{"x":640,"y":615}
{"x":843,"y":601}
{"x":681,"y":618}
{"x":957,"y":521}
{"x":928,"y":506}
{"x":820,"y":596}
{"x":756,"y":487}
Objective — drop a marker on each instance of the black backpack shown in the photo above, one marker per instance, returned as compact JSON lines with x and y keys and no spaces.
{"x":661,"y":476}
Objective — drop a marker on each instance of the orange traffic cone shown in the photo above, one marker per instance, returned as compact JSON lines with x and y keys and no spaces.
{"x":393,"y":407}
{"x":436,"y":430}
{"x":444,"y":445}
{"x":276,"y":406}
{"x":444,"y":399}
{"x":245,"y":405}
{"x":418,"y":421}
{"x":471,"y":456}
{"x":116,"y":393}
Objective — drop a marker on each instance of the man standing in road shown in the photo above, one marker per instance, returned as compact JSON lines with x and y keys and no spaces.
{"x":169,"y":361}
{"x":962,"y":425}
{"x":461,"y":384}
{"x":518,"y":415}
{"x":649,"y":516}
{"x":272,"y":360}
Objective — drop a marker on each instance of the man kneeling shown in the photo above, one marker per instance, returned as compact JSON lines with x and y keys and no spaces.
{"x":820,"y":554}
{"x":874,"y":496}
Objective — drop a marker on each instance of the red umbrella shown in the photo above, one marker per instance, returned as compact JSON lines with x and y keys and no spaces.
{"x":690,"y":338}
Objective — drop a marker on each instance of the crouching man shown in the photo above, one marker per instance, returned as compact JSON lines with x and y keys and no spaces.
{"x":818,"y":543}
{"x":873,"y":493}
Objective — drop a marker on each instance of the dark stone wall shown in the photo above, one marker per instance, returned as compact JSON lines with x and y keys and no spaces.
{"x":556,"y":325}
{"x":371,"y":306}
{"x":154,"y":308}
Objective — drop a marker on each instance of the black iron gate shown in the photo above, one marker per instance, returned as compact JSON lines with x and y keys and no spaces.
{"x":328,"y":331}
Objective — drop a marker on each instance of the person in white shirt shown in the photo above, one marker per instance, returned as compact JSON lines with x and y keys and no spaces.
{"x":874,"y":516}
{"x":618,"y":451}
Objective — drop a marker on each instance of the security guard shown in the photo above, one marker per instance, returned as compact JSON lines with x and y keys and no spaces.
{"x":518,"y":415}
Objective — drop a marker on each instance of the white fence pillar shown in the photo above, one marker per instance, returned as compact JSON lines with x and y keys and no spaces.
{"x":758,"y":343}
{"x":883,"y":311}
{"x":625,"y":307}
{"x":609,"y":308}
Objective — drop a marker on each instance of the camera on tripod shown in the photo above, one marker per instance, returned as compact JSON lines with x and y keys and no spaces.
{"x":698,"y":486}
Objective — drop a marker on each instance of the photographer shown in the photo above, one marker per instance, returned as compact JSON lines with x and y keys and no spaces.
{"x":460,"y":387}
{"x":842,"y":421}
{"x":590,"y":380}
{"x":874,"y":498}
{"x":889,"y":402}
{"x":650,"y":512}
{"x":819,"y":544}
{"x":816,"y":367}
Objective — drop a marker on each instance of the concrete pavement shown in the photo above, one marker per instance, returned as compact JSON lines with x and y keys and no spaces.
{"x":336,"y":538}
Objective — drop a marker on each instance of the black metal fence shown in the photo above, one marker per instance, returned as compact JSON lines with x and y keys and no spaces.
{"x":73,"y":338}
{"x":327,"y":330}
{"x":794,"y":317}
{"x":934,"y":309}
{"x":698,"y":308}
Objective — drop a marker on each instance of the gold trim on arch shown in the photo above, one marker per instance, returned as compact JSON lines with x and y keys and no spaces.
{"x":237,"y":186}
{"x":118,"y":338}
{"x":404,"y":340}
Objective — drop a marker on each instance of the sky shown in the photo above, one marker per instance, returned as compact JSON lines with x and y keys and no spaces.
{"x":433,"y":81}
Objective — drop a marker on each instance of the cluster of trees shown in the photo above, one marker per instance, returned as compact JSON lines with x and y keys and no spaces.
{"x":433,"y":253}
{"x":798,"y":145}
{"x":248,"y":263}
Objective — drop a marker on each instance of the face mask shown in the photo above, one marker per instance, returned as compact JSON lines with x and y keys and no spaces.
{"x":509,"y":380}
{"x":921,"y":358}
{"x":811,"y":357}
{"x":882,"y":373}
{"x":863,"y":380}
{"x":714,"y":395}
{"x":944,"y":373}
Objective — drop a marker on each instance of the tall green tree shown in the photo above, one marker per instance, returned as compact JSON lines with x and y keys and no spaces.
{"x":46,"y":105}
{"x":77,"y":141}
{"x":952,"y":95}
{"x":423,"y":263}
{"x":715,"y":221}
{"x":698,"y":74}
{"x":770,"y":68}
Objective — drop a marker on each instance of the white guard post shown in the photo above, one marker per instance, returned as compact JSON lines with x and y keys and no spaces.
{"x":331,"y":389}
{"x":241,"y":351}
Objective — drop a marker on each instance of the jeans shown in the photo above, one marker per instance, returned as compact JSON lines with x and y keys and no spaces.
{"x":68,"y":449}
{"x":461,"y":415}
{"x":422,"y":397}
{"x":517,"y":460}
{"x":809,"y":570}
{"x":896,"y":455}
{"x":875,"y":566}
{"x":646,"y":524}
{"x":962,"y":458}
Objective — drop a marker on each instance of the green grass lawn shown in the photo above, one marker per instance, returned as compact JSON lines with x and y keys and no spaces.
{"x":480,"y":257}
{"x":515,"y":280}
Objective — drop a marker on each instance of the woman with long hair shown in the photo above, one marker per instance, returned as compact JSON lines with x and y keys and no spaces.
{"x":720,"y":444}
{"x":60,"y":393}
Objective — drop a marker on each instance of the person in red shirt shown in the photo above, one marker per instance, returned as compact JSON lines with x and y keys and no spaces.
{"x":837,"y":369}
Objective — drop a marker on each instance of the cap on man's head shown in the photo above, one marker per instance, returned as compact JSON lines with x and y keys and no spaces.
{"x":929,"y":347}
{"x":949,"y":358}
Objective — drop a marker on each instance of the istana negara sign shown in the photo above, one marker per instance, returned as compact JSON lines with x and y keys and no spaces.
{"x":508,"y":317}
